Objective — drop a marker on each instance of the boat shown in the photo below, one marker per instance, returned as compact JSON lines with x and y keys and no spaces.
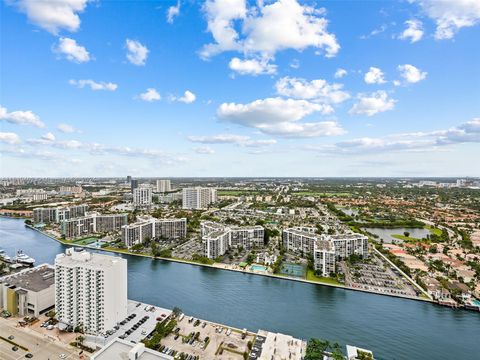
{"x":4,"y":257}
{"x":24,"y":258}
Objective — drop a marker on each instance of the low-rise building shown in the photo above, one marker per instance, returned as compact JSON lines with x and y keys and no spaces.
{"x":30,"y":292}
{"x":125,"y":350}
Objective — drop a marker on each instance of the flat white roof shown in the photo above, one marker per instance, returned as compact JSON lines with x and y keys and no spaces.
{"x":119,"y":349}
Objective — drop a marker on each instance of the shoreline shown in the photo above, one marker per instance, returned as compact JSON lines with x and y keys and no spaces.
{"x":221,"y":266}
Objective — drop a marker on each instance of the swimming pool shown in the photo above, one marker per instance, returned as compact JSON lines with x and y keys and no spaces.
{"x":258,"y":268}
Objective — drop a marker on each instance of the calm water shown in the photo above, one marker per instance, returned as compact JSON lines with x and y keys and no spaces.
{"x":392,"y":328}
{"x":386,"y":234}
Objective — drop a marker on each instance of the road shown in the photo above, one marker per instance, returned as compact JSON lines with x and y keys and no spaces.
{"x":42,"y":347}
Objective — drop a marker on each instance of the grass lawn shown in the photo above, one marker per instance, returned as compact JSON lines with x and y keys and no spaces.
{"x":312,"y":277}
{"x":433,"y":230}
{"x":237,"y":192}
{"x":86,"y":241}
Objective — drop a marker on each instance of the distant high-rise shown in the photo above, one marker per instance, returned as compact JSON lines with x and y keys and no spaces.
{"x":129,"y":179}
{"x":198,"y":197}
{"x":90,"y":290}
{"x":163,"y":186}
{"x":133,"y":184}
{"x":142,"y":197}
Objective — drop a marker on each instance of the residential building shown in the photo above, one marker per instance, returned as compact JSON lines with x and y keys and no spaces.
{"x":198,"y":197}
{"x":163,"y":186}
{"x":151,"y":228}
{"x":133,"y":184}
{"x":324,"y":257}
{"x":125,"y":350}
{"x":142,"y":197}
{"x":46,"y":215}
{"x":218,"y":238}
{"x":299,"y":240}
{"x":138,"y":232}
{"x":349,"y":244}
{"x":171,"y":228}
{"x":30,"y":292}
{"x":69,"y":190}
{"x":93,"y":223}
{"x":90,"y":290}
{"x":169,"y":198}
{"x":276,"y":346}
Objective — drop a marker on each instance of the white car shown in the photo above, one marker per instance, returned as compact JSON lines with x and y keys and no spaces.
{"x":62,"y":356}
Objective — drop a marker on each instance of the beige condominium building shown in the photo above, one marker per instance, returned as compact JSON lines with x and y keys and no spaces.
{"x":198,"y":197}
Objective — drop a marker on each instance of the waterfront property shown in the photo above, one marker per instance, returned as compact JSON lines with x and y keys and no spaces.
{"x":29,"y":292}
{"x":148,"y":228}
{"x":325,"y":249}
{"x":451,"y":334}
{"x":122,"y":349}
{"x":90,"y":290}
{"x":93,"y":223}
{"x":218,"y":238}
{"x":46,"y":215}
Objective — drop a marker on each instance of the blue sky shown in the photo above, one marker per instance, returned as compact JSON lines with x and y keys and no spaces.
{"x":239,"y":88}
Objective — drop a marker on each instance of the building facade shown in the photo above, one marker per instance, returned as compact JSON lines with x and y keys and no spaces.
{"x":163,"y":186}
{"x":48,"y":215}
{"x":90,"y":290}
{"x":198,"y":197}
{"x":218,"y":238}
{"x":152,"y":228}
{"x":92,"y":224}
{"x":142,"y":197}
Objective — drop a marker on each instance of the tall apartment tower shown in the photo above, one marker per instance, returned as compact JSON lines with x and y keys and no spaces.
{"x":142,"y":197}
{"x":163,"y":186}
{"x":90,"y":290}
{"x":133,"y":184}
{"x":198,"y":197}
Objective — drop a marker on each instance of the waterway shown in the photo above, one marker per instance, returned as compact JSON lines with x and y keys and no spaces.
{"x":393,"y":328}
{"x":386,"y":234}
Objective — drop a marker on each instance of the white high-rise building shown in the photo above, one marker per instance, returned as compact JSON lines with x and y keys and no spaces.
{"x":163,"y":186}
{"x":198,"y":197}
{"x":151,"y":228}
{"x":90,"y":290}
{"x":142,"y":197}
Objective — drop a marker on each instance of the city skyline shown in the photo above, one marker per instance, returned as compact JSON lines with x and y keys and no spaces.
{"x":182,"y":88}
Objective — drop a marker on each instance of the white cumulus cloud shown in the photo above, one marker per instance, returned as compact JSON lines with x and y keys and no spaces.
{"x":277,"y":116}
{"x":9,"y":138}
{"x":172,"y":12}
{"x":411,"y":74}
{"x":318,"y":90}
{"x":187,"y":98}
{"x":66,"y":128}
{"x":20,"y":117}
{"x":93,"y":84}
{"x":72,"y":51}
{"x":372,"y":104}
{"x":240,"y":140}
{"x":252,"y":66}
{"x":413,"y":32}
{"x":340,"y":73}
{"x":451,"y":15}
{"x":150,"y":95}
{"x":374,"y":76}
{"x":52,"y":15}
{"x":136,"y":52}
{"x":204,"y":150}
{"x":266,"y":28}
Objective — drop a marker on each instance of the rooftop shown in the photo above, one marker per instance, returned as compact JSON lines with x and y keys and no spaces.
{"x":124,"y":350}
{"x":36,"y":279}
{"x":83,"y":257}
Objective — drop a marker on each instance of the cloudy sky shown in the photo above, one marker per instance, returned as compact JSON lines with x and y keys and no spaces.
{"x":240,"y":88}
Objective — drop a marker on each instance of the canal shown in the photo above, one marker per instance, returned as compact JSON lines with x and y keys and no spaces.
{"x":393,"y":328}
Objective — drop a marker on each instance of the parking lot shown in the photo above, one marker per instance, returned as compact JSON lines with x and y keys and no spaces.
{"x":378,"y":277}
{"x":134,"y":328}
{"x":213,"y":341}
{"x":39,"y":346}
